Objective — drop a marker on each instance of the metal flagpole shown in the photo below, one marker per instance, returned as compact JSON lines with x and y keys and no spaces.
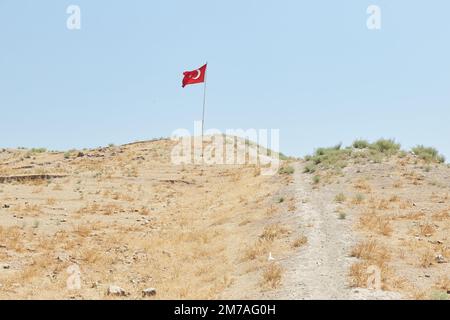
{"x":204,"y":103}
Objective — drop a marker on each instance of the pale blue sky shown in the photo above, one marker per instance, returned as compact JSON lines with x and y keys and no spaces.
{"x":310,"y":68}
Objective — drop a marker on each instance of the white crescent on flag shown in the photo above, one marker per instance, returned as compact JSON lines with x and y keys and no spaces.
{"x":199,"y":73}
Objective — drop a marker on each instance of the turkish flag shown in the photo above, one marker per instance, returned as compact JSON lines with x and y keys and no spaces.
{"x":195,"y":76}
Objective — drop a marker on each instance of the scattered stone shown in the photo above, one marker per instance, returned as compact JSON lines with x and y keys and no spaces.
{"x":167,"y":253}
{"x":63,"y":256}
{"x":114,"y":290}
{"x":6,"y":206}
{"x":4,"y":266}
{"x":440,"y":259}
{"x":149,"y":292}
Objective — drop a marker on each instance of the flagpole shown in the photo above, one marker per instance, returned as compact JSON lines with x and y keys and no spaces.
{"x":204,"y":103}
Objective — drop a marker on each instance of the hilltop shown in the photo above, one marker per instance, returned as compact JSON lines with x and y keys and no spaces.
{"x":125,"y":216}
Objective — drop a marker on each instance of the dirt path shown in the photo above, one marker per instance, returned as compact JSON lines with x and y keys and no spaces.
{"x":319,"y":269}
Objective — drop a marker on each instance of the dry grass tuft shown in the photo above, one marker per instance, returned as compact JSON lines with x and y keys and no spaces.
{"x":273,"y":231}
{"x":372,"y":222}
{"x":272,"y":275}
{"x":427,"y":229}
{"x":300,"y":241}
{"x":258,"y":249}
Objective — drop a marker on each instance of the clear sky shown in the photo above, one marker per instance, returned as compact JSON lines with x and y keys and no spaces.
{"x":309,"y":68}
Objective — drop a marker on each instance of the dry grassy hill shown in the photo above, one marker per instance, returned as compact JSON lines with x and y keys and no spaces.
{"x":125,"y":216}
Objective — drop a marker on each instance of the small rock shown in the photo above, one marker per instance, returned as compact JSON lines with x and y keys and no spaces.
{"x":5,"y":266}
{"x":62,"y":256}
{"x":149,"y":292}
{"x":114,"y":290}
{"x":440,"y":259}
{"x":6,"y":206}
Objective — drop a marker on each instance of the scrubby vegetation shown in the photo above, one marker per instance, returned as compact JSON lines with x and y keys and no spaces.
{"x":428,"y":154}
{"x":361,"y":144}
{"x":286,"y":170}
{"x":386,"y":146}
{"x":336,"y":158}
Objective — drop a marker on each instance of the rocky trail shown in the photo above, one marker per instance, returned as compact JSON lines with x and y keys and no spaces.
{"x":319,"y":269}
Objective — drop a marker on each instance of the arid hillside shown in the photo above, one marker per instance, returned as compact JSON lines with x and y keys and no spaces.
{"x":123,"y":222}
{"x":378,"y":224}
{"x":124,"y":219}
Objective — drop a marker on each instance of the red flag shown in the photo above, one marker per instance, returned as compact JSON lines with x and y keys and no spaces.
{"x":195,"y":76}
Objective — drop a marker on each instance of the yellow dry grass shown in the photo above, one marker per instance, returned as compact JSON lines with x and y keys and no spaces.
{"x":126,"y":216}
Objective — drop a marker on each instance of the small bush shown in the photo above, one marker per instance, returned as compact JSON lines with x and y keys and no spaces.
{"x":340,"y":198}
{"x":38,"y":150}
{"x":386,"y":146}
{"x":316,"y":179}
{"x":361,"y":144}
{"x":330,"y":158}
{"x":428,"y":154}
{"x":309,"y":168}
{"x":286,"y":170}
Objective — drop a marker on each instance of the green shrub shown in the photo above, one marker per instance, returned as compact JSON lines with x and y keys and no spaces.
{"x":331,"y":158}
{"x":340,"y":198}
{"x":309,"y":168}
{"x":38,"y":150}
{"x":386,"y":146}
{"x":286,"y":170}
{"x":361,"y":144}
{"x":428,"y":154}
{"x":316,"y":179}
